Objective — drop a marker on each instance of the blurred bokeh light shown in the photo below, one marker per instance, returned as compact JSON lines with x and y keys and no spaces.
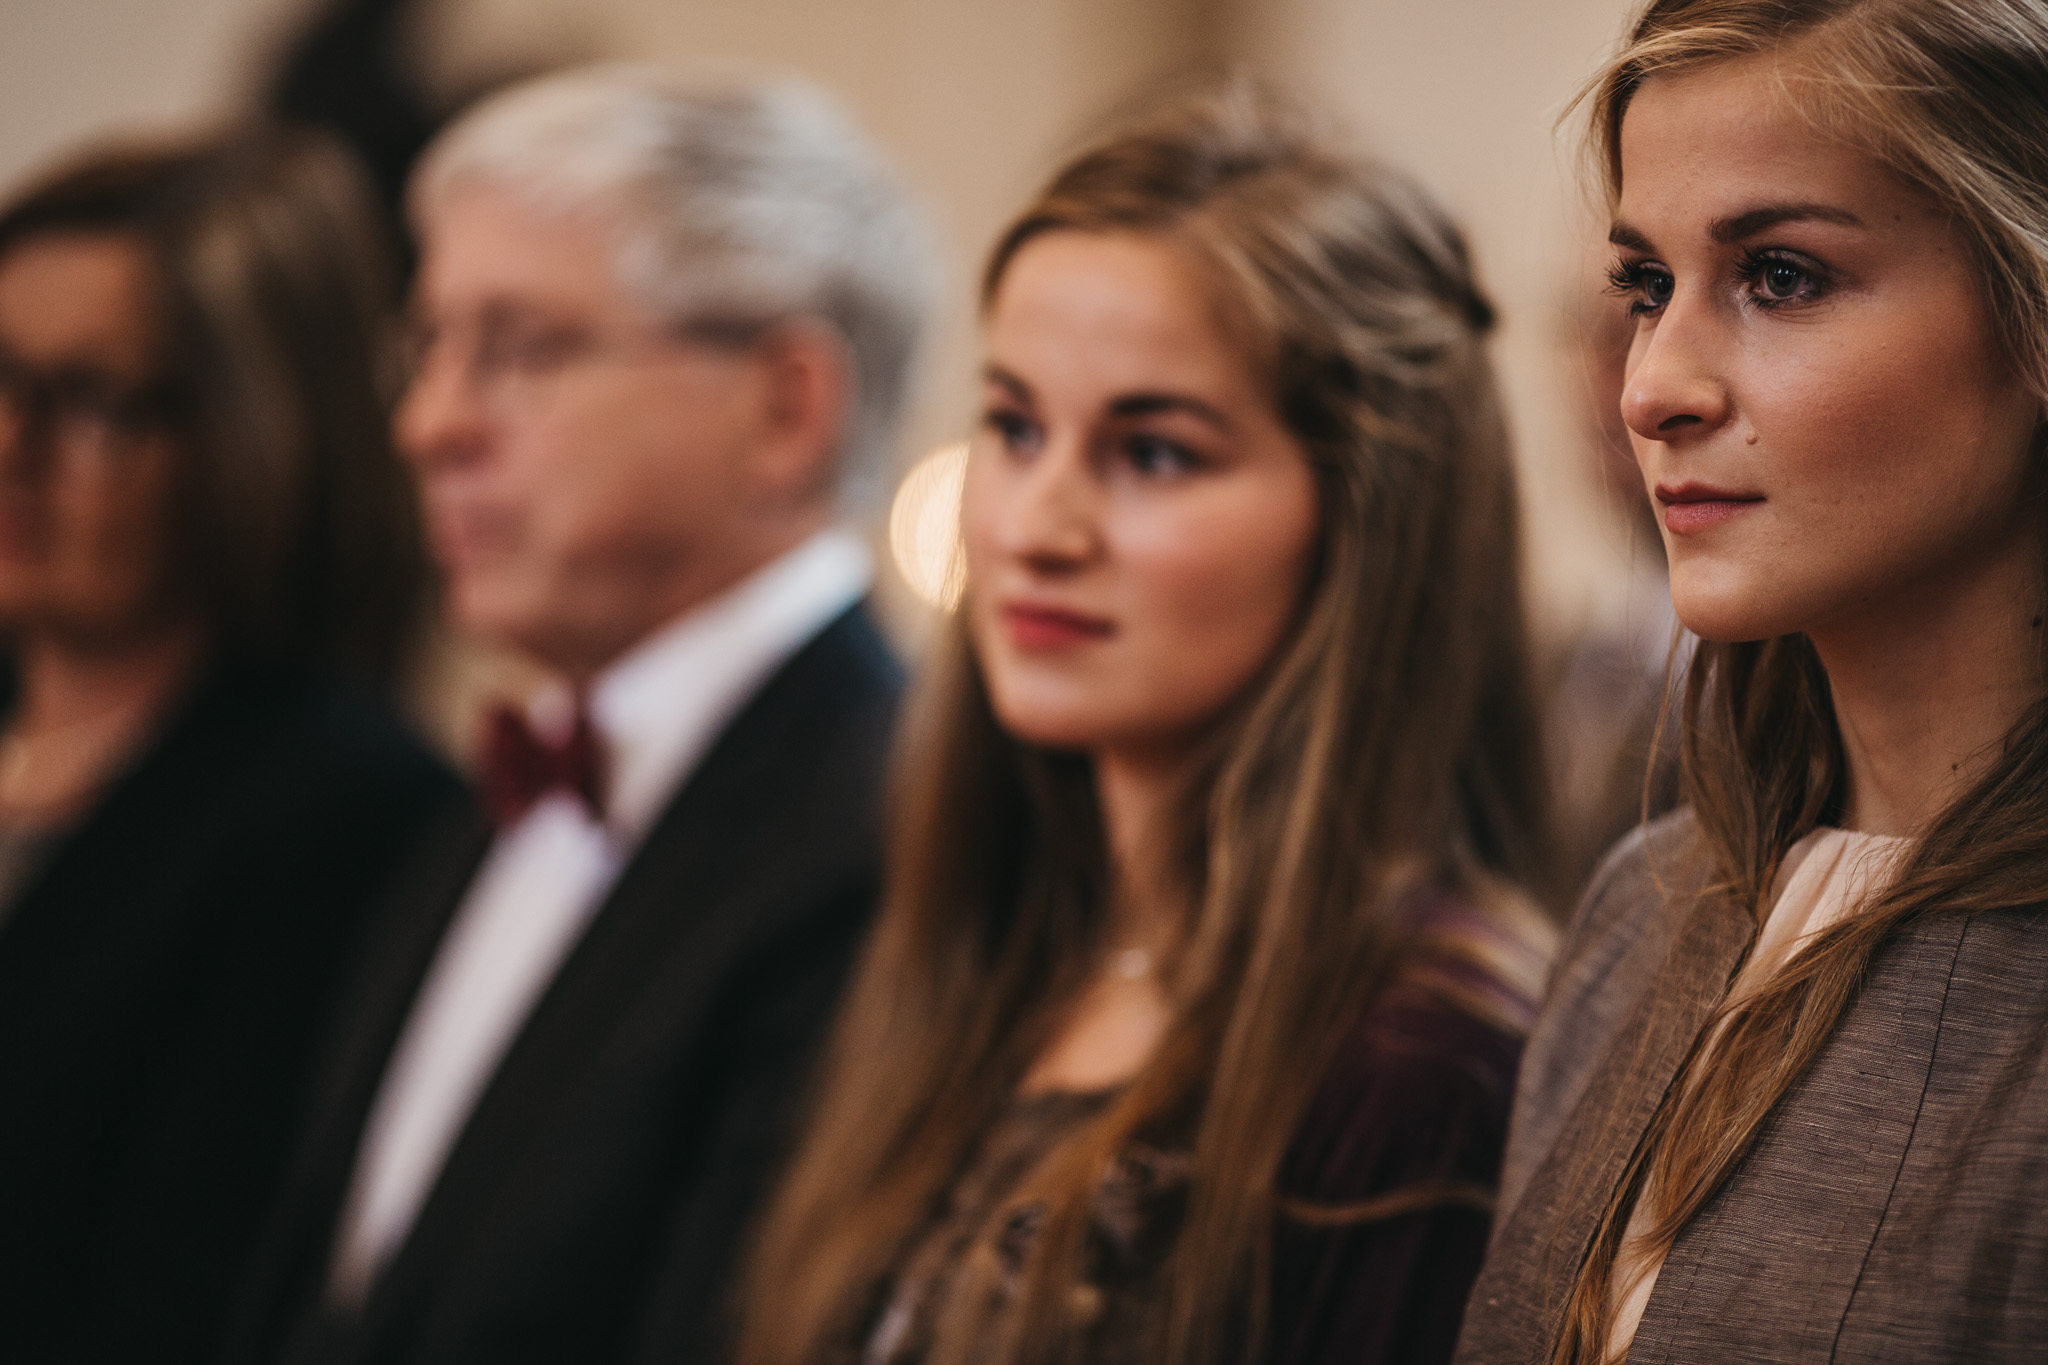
{"x":924,"y":527}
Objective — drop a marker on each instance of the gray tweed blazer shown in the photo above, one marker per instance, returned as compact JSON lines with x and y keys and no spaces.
{"x":1895,"y":1208}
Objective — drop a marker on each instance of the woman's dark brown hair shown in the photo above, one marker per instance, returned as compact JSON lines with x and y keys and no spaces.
{"x":1391,"y":740}
{"x":295,"y":534}
{"x":1951,"y":96}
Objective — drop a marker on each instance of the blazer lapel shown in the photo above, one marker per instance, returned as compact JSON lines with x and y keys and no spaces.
{"x":1766,"y":1271}
{"x":1550,"y":1229}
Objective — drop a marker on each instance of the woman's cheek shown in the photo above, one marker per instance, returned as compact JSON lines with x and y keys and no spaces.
{"x":1212,"y":617}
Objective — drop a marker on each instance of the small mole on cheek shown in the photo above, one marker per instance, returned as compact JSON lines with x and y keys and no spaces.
{"x":1751,"y":438}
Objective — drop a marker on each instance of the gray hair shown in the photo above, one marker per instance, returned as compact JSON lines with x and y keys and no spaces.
{"x":736,"y":205}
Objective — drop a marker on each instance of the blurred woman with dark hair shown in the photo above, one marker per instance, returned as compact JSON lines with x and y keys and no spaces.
{"x":208,"y":569}
{"x":1190,"y":1022}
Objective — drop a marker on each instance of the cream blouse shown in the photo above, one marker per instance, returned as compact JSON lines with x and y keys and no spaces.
{"x":1826,"y":876}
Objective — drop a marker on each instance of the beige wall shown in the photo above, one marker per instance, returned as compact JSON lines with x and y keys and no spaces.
{"x":70,"y":69}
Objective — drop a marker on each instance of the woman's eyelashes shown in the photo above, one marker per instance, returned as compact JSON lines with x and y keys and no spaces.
{"x":1775,"y":278}
{"x":1144,"y":453}
{"x":1646,"y":285}
{"x":1013,"y":428}
{"x":1157,"y":457}
{"x":1765,"y":278}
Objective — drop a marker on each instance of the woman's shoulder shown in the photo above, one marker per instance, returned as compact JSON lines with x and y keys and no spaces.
{"x":1626,"y":919}
{"x":1618,"y":939}
{"x":1386,"y":1196}
{"x":305,"y":728}
{"x":271,"y":763}
{"x":1420,"y":1084}
{"x":265,"y":815}
{"x":1647,"y":871}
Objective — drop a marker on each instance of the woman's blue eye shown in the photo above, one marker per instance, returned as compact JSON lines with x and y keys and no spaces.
{"x":1151,"y":455}
{"x":1013,"y":429}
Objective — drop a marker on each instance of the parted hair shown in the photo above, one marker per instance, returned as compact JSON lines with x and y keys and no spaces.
{"x":295,"y":533}
{"x":1950,"y":96}
{"x":1390,"y":740}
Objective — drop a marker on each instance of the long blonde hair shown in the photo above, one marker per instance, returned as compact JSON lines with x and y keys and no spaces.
{"x":1952,"y":97}
{"x":1392,"y":737}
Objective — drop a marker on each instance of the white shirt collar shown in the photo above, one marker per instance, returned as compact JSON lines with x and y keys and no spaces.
{"x":660,"y":706}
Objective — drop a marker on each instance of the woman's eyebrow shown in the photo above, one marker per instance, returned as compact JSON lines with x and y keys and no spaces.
{"x":1622,"y":235}
{"x":1741,"y":225}
{"x":1736,"y":227}
{"x":1010,"y":383}
{"x":1149,"y":404}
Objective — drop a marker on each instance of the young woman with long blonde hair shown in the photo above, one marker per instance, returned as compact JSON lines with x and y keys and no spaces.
{"x":1789,"y":1097}
{"x":1186,"y":1029}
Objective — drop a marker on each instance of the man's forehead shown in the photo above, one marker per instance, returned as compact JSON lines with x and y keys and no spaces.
{"x":485,"y":246}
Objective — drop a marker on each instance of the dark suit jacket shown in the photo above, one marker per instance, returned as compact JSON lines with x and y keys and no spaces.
{"x":590,"y":1209}
{"x":1894,"y":1207}
{"x":162,"y":984}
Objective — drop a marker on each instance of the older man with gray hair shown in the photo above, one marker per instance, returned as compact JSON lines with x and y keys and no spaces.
{"x":661,"y":334}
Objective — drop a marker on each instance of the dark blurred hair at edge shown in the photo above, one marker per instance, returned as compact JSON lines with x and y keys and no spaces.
{"x":295,"y":534}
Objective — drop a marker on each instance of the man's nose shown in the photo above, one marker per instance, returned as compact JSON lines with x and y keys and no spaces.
{"x":23,"y":449}
{"x":440,"y":419}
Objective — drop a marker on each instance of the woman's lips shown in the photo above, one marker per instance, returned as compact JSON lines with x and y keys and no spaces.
{"x":1691,"y":507}
{"x":1036,"y":627}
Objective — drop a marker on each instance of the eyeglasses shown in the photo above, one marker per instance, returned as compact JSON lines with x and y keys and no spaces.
{"x":511,"y":358}
{"x":78,"y":412}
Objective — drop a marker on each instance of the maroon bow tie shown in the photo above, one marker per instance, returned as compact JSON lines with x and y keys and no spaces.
{"x":520,"y":767}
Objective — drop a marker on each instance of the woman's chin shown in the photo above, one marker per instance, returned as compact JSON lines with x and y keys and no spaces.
{"x":1065,"y":722}
{"x":1725,"y":616}
{"x":1048,"y":731}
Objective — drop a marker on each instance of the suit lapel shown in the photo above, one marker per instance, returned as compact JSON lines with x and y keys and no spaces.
{"x":291,"y":1275}
{"x":691,"y":894}
{"x":388,"y":982}
{"x":1552,"y":1226}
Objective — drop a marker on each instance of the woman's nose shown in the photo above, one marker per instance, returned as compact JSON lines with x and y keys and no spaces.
{"x":1674,"y":386}
{"x":1037,"y":508}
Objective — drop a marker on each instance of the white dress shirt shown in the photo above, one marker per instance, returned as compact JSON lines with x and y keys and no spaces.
{"x":656,"y":711}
